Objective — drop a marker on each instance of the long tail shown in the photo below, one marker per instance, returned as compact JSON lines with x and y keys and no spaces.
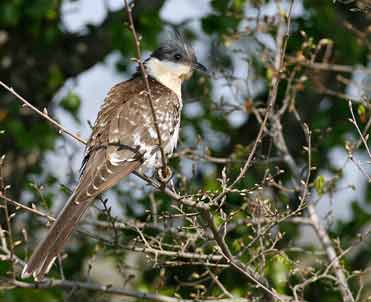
{"x":46,"y":252}
{"x":97,"y":178}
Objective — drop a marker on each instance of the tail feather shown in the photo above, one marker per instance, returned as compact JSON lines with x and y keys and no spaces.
{"x":46,"y":252}
{"x":90,"y":186}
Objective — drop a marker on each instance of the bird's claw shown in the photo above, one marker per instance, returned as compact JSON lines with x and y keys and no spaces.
{"x":164,"y":174}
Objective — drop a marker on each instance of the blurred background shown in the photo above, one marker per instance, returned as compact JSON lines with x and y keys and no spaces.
{"x":65,"y":55}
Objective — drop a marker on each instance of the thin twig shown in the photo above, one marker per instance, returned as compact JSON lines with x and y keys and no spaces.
{"x":329,"y":67}
{"x":331,"y":254}
{"x":354,"y":122}
{"x":66,"y":284}
{"x":44,"y":114}
{"x":9,"y":232}
{"x":313,"y":216}
{"x":259,"y":281}
{"x":145,"y":77}
{"x":24,"y":207}
{"x":186,"y":255}
{"x":220,"y":284}
{"x":281,"y":42}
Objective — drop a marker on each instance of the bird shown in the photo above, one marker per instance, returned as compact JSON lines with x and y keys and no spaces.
{"x":124,"y":139}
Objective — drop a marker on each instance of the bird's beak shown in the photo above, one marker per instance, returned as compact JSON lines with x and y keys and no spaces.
{"x":201,"y":68}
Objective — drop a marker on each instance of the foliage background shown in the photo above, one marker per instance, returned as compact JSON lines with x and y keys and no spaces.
{"x":44,"y":61}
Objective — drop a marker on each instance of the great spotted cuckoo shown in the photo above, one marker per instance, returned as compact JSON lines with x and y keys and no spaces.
{"x":124,"y":138}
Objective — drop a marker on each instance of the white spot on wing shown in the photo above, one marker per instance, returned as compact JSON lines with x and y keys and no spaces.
{"x":152,"y":132}
{"x":137,"y":140}
{"x":115,"y":160}
{"x":109,"y":170}
{"x":169,"y":148}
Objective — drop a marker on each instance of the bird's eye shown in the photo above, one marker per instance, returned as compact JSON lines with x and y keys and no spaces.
{"x":177,"y":56}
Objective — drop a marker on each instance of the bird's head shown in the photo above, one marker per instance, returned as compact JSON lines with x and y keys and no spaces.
{"x":174,"y":60}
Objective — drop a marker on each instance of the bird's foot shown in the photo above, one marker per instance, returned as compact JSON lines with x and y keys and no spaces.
{"x":164,"y":174}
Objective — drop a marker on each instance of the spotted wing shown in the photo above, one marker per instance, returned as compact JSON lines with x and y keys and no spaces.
{"x":124,"y":133}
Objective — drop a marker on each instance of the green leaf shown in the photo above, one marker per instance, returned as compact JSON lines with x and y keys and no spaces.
{"x":277,"y":270}
{"x":56,"y":77}
{"x":218,"y":220}
{"x":238,"y":5}
{"x":237,"y":245}
{"x":319,"y":184}
{"x":361,"y":109}
{"x":71,"y":103}
{"x":362,"y":113}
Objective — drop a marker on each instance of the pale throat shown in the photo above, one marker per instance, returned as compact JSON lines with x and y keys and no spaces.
{"x":168,"y":73}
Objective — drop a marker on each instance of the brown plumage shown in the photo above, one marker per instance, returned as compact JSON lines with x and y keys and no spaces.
{"x":123,"y":138}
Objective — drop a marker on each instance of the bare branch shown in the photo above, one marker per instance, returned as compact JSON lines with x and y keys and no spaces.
{"x":44,"y":114}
